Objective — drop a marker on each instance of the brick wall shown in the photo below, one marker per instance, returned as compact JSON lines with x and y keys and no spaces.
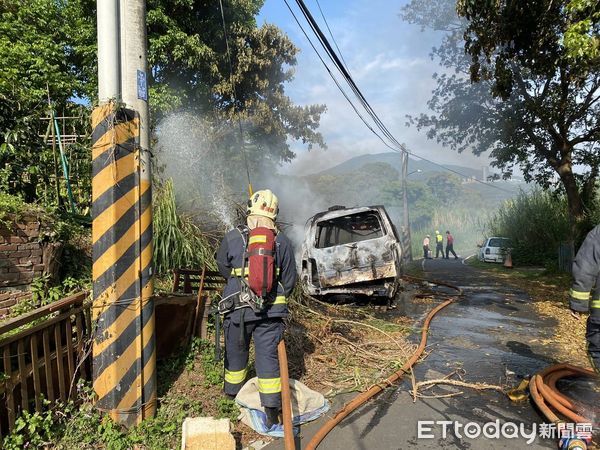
{"x":24,"y":257}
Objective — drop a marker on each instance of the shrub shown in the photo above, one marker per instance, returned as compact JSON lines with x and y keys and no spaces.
{"x":536,"y":223}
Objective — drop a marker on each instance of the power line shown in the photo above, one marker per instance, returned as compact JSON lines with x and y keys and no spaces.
{"x":331,"y":34}
{"x":339,"y":86}
{"x":396,"y":146}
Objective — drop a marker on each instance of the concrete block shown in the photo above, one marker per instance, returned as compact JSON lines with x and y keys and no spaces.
{"x":206,"y":433}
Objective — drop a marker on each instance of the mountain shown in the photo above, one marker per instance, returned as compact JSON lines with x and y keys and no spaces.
{"x":394,"y":160}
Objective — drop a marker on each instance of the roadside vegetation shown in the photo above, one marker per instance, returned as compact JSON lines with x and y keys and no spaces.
{"x":536,"y":224}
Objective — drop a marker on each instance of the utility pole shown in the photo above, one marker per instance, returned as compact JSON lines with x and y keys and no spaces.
{"x":124,"y":356}
{"x":406,"y":239}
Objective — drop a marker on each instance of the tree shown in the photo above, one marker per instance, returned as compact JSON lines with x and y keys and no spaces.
{"x":520,"y":94}
{"x":53,"y":43}
{"x":191,"y":72}
{"x":445,"y":188}
{"x":39,"y":60}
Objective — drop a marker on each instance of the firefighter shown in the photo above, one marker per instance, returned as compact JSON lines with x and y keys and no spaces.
{"x":585,"y":292}
{"x":241,"y":322}
{"x":439,"y":244}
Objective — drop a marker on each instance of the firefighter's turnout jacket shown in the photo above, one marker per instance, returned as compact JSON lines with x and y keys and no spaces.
{"x":242,"y":324}
{"x":585,"y":293}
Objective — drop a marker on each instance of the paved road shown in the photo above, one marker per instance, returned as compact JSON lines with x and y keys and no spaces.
{"x":492,"y":332}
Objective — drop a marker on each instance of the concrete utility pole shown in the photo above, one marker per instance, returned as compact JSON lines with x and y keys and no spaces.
{"x":406,"y":239}
{"x":124,"y":356}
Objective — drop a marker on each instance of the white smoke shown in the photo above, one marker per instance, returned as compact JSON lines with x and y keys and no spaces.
{"x":187,"y":152}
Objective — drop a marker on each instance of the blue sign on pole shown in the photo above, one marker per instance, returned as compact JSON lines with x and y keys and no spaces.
{"x":142,"y":85}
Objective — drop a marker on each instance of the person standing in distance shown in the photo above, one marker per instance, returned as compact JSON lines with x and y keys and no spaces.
{"x":450,"y":245}
{"x":439,"y":244}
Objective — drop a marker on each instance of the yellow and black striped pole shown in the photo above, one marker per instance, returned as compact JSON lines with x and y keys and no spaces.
{"x":123,"y":311}
{"x":124,"y":355}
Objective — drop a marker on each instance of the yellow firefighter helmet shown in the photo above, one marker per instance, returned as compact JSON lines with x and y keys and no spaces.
{"x":263,"y":203}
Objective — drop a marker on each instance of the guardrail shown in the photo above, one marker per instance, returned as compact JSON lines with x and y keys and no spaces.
{"x":42,"y":354}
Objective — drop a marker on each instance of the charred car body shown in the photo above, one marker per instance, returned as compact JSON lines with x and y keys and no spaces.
{"x":351,"y":251}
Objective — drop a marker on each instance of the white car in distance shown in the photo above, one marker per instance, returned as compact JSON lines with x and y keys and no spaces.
{"x":494,"y":249}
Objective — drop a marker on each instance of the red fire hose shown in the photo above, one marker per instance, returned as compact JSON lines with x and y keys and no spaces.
{"x":363,"y":397}
{"x":550,"y":401}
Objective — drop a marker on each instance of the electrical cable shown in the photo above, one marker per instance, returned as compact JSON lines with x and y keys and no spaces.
{"x":332,"y":38}
{"x":234,"y":97}
{"x":362,"y":99}
{"x":339,"y":86}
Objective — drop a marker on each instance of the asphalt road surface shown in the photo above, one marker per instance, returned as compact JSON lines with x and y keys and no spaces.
{"x":494,"y":334}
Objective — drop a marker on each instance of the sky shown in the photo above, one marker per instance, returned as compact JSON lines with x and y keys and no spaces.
{"x":390,"y":62}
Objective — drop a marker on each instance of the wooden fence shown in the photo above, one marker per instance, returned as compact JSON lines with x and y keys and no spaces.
{"x":42,"y":355}
{"x":44,"y":352}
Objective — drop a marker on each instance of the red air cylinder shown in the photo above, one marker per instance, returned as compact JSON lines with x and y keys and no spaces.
{"x":261,"y":260}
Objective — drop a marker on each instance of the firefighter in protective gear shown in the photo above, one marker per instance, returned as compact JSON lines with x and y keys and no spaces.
{"x":243,"y":323}
{"x":439,"y":244}
{"x":585,"y":292}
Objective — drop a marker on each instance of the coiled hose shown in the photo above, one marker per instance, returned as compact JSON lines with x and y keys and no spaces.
{"x":546,"y":395}
{"x":363,"y":397}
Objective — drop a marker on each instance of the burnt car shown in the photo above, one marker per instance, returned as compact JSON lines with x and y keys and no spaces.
{"x":351,"y":251}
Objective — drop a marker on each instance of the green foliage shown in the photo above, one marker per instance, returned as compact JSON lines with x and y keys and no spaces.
{"x":82,"y":426}
{"x":188,"y":55}
{"x":48,"y":48}
{"x":43,"y":293}
{"x":510,"y":87}
{"x":536,"y":223}
{"x":39,"y":48}
{"x":582,"y":39}
{"x":178,"y":242}
{"x":33,"y":430}
{"x":10,"y":206}
{"x":213,"y":371}
{"x":227,"y":409}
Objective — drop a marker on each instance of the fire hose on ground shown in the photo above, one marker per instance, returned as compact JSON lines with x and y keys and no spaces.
{"x":363,"y":397}
{"x":546,"y":395}
{"x":544,"y":391}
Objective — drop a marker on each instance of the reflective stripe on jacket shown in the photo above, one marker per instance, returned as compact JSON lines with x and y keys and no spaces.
{"x":230,"y":261}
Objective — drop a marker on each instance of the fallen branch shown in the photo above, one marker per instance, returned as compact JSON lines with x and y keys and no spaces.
{"x":432,"y":397}
{"x":476,"y":386}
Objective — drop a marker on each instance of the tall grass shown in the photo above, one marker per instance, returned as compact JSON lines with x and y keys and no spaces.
{"x":536,"y":223}
{"x":178,"y":241}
